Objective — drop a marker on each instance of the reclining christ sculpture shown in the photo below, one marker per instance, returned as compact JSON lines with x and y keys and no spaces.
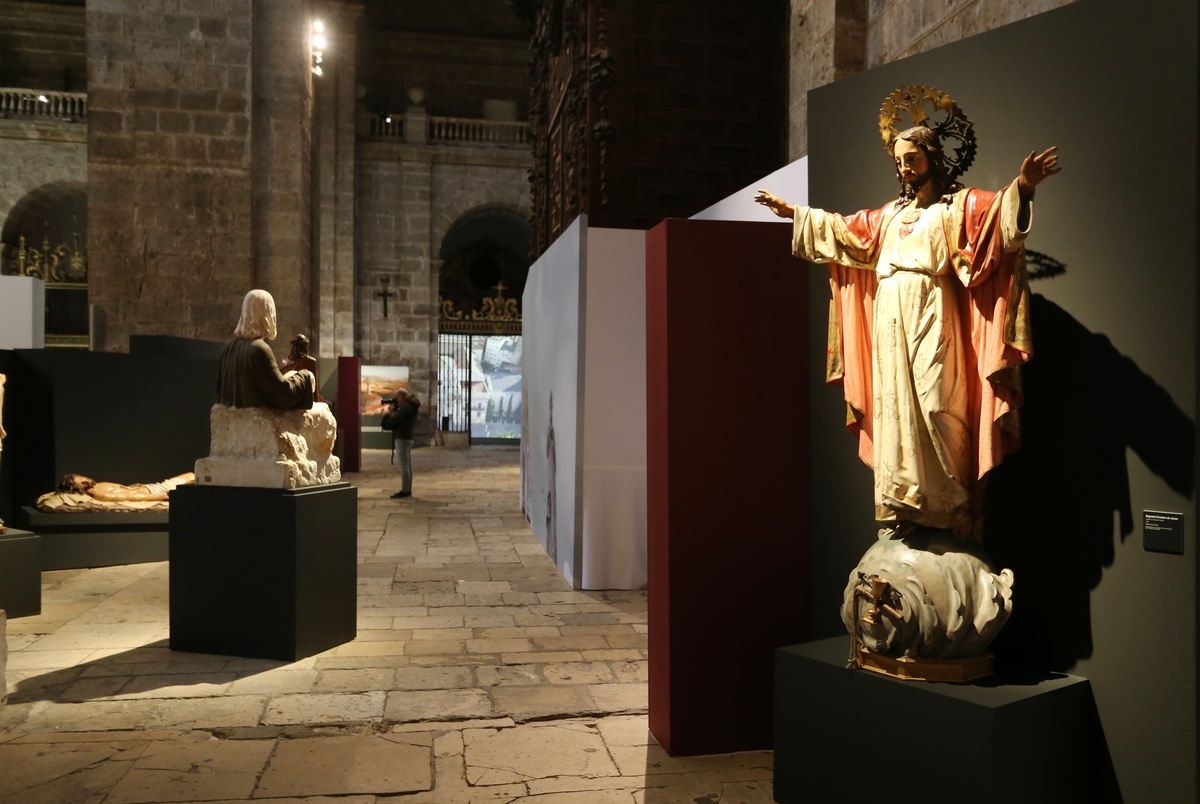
{"x":79,"y":493}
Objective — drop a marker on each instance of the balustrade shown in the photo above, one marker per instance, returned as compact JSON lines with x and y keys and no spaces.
{"x":19,"y":102}
{"x":451,"y":130}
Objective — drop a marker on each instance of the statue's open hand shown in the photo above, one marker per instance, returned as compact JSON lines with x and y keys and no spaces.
{"x":1038,"y":167}
{"x":774,"y":203}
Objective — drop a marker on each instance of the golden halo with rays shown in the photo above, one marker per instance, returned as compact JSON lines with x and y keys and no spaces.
{"x":930,"y":107}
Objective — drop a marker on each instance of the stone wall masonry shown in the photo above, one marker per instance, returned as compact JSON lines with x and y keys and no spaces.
{"x":334,"y":182}
{"x":408,"y":336}
{"x":457,"y":73}
{"x":832,"y":39}
{"x":408,"y":198}
{"x":460,"y":188}
{"x":43,"y":46}
{"x":35,"y":155}
{"x":169,"y":180}
{"x":900,"y":28}
{"x":283,"y":160}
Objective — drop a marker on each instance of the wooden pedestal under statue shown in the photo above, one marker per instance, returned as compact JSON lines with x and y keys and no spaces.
{"x":263,"y":573}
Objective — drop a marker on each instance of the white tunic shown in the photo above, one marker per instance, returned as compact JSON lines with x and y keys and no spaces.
{"x":921,"y":436}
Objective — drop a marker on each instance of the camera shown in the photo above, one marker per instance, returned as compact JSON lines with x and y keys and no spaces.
{"x":389,"y":401}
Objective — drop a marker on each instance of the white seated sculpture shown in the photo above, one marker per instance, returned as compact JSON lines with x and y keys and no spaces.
{"x":266,"y":430}
{"x":262,"y":447}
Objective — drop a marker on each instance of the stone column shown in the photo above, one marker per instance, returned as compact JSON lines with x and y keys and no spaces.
{"x":169,"y":184}
{"x":827,"y":41}
{"x":283,"y":160}
{"x":333,"y":314}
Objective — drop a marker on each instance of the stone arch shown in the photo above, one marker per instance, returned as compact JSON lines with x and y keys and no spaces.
{"x":30,"y":166}
{"x":484,"y":247}
{"x":516,"y":203}
{"x":45,"y":235}
{"x":56,"y":211}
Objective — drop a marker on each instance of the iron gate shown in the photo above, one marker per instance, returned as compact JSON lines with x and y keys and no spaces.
{"x":454,"y":382}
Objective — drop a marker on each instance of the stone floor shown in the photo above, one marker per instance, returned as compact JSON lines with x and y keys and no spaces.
{"x":477,"y":675}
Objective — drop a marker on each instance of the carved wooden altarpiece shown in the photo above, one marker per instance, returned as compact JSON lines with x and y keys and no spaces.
{"x":648,"y":110}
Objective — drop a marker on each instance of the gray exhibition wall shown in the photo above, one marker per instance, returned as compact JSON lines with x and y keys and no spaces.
{"x":1110,"y":394}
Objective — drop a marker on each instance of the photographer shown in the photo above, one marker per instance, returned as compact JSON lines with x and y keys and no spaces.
{"x":399,"y":419}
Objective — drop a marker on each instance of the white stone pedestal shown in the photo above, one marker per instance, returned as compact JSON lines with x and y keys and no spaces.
{"x":264,"y":448}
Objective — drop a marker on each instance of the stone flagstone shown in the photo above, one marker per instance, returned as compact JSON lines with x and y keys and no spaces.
{"x":477,"y":675}
{"x":354,"y":764}
{"x":193,"y":770}
{"x":523,"y":753}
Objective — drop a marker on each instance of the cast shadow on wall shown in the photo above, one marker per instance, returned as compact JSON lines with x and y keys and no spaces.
{"x":1050,"y":505}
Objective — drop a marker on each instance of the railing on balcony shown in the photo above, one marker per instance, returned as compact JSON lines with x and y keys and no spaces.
{"x":19,"y":102}
{"x":388,"y":126}
{"x":462,"y":129}
{"x":416,"y":127}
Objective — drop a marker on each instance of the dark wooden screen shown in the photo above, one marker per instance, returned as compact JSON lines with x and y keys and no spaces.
{"x":648,"y":110}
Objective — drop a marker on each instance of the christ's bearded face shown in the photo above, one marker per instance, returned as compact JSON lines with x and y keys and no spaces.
{"x":912,"y":164}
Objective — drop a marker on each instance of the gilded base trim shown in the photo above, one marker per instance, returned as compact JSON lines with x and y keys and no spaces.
{"x":910,"y":669}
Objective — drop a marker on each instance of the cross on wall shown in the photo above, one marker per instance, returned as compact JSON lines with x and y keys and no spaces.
{"x":386,"y":293}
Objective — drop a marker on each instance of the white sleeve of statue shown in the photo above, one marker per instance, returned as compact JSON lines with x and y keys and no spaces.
{"x":819,"y":236}
{"x":1010,"y":210}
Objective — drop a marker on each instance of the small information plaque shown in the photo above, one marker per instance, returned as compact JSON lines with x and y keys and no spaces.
{"x":1162,"y":532}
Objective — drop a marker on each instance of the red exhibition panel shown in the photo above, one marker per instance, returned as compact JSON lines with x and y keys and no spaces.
{"x":727,"y":465}
{"x":349,"y":406}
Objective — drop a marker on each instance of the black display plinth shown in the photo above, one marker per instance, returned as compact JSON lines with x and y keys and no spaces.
{"x":20,"y":573}
{"x":842,"y":734}
{"x":263,"y":573}
{"x":101,"y":539}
